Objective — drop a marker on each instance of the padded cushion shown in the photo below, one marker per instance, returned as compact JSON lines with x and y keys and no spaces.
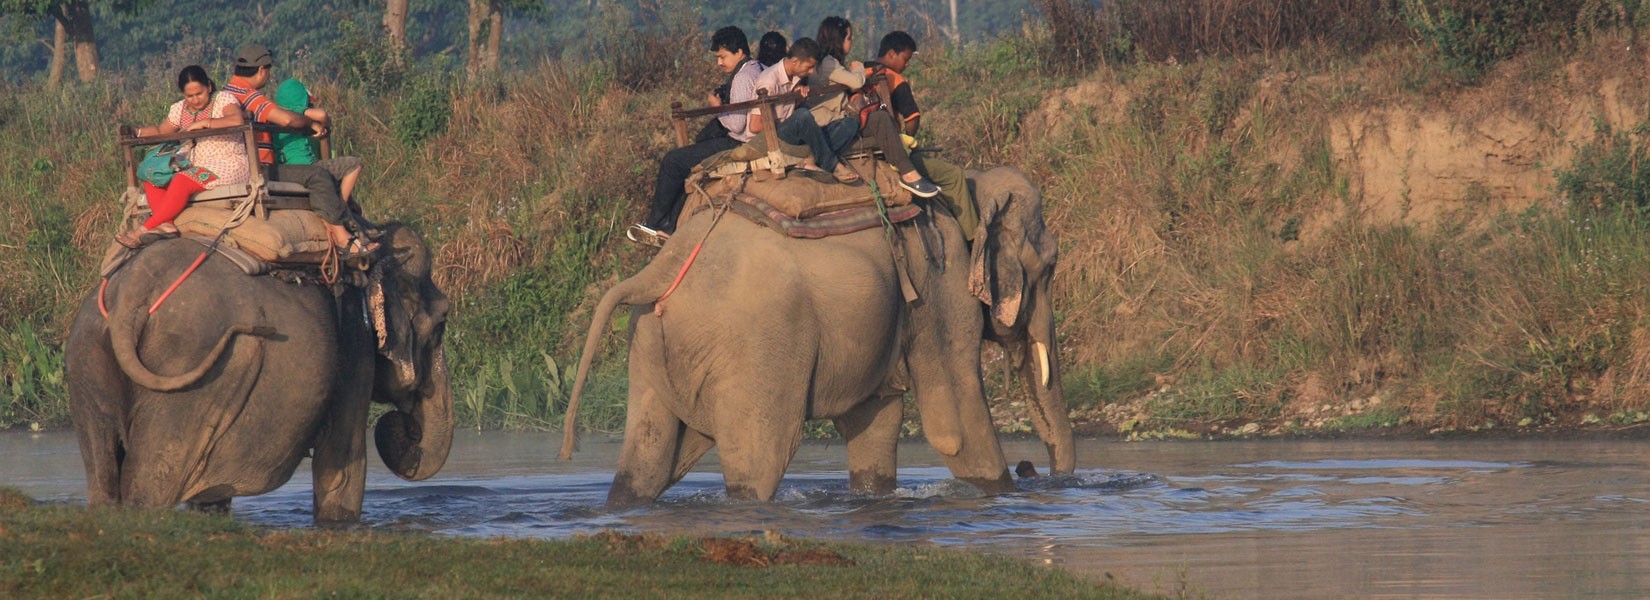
{"x":287,"y":236}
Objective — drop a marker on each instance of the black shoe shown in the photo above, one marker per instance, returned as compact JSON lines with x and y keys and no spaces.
{"x":921,"y":188}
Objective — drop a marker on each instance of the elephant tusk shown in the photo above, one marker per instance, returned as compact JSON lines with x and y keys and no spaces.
{"x":1042,"y":361}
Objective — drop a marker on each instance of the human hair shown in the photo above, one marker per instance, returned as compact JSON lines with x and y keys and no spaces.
{"x":896,"y":41}
{"x":833,"y":33}
{"x":246,"y":71}
{"x":730,"y":38}
{"x":805,"y":49}
{"x":771,"y":49}
{"x":196,"y":74}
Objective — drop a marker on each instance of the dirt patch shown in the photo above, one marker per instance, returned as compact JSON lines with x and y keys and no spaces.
{"x":769,"y":550}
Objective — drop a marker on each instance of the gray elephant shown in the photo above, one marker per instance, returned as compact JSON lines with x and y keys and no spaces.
{"x":1011,"y":272}
{"x":763,"y":332}
{"x":234,"y":379}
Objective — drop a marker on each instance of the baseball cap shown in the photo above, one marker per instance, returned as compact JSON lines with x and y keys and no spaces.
{"x":253,"y":55}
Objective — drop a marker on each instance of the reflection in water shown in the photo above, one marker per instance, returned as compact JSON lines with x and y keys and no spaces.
{"x":1376,"y":519}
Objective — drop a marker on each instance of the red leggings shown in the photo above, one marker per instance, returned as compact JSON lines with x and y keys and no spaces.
{"x":165,"y":203}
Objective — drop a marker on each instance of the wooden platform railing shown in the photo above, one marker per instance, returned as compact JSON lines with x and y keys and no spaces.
{"x":770,"y":132}
{"x":255,"y":182}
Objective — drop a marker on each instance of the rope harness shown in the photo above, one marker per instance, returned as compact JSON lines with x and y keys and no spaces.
{"x":242,"y":212}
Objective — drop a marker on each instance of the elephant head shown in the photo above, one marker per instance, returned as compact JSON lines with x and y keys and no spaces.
{"x":411,"y":374}
{"x":1012,"y":266}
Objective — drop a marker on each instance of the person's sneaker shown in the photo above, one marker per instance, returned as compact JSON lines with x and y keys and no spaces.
{"x":922,"y":187}
{"x":643,"y":234}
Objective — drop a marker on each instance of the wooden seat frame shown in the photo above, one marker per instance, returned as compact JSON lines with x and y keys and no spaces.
{"x":257,"y":188}
{"x":770,"y":132}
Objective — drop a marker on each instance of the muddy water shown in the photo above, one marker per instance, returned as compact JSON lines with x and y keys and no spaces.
{"x":1376,"y":519}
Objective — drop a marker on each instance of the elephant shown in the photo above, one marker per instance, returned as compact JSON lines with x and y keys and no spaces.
{"x":1011,"y":272}
{"x":233,"y":379}
{"x":740,"y":334}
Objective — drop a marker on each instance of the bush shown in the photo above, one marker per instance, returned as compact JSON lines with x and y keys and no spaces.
{"x":365,"y":59}
{"x":646,"y":51}
{"x":1610,"y":174}
{"x":422,"y":110}
{"x":1470,"y":36}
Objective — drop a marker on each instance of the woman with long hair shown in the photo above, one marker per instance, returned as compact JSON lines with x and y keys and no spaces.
{"x":841,"y":125}
{"x":213,"y":161}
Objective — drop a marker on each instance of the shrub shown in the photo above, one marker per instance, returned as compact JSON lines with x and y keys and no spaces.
{"x":422,"y":110}
{"x":645,"y":50}
{"x":1470,"y":36}
{"x":365,"y":59}
{"x":1610,"y":174}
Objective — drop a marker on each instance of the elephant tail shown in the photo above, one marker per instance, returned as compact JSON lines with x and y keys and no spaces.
{"x":125,"y":333}
{"x":630,"y":292}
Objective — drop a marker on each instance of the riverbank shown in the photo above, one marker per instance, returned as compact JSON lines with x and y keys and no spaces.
{"x":75,"y":552}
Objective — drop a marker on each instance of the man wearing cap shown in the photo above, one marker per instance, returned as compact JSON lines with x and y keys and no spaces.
{"x":252,"y":72}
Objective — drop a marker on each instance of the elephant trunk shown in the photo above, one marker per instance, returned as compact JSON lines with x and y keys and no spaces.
{"x":633,"y":291}
{"x":124,"y":335}
{"x":414,"y":444}
{"x":1041,"y":372}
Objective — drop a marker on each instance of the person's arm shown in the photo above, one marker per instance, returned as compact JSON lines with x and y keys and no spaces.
{"x":225,"y":113}
{"x":905,"y":105}
{"x":852,"y":76}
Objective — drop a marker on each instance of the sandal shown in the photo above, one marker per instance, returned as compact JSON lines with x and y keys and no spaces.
{"x":132,"y":240}
{"x":847,"y":176}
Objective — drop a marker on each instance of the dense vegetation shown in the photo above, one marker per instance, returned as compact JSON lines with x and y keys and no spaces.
{"x":1219,"y":266}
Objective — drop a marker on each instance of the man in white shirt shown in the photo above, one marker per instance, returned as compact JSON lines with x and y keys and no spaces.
{"x":798,"y":127}
{"x":732,"y":52}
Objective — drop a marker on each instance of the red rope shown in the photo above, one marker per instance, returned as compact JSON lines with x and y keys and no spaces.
{"x":175,"y":284}
{"x":658,"y":305}
{"x":100,"y":307}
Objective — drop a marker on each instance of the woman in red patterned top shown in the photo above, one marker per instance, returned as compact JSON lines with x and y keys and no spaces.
{"x":214,"y":161}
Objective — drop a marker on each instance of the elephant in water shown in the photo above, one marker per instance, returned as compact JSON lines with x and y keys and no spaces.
{"x":234,"y":379}
{"x":763,"y":332}
{"x":1011,"y":273}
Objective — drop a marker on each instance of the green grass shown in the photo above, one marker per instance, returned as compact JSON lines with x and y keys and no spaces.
{"x":76,"y":552}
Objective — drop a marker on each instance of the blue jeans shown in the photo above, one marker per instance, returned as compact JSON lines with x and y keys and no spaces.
{"x":801,"y":130}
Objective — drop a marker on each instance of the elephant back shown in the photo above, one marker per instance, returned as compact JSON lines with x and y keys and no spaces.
{"x":803,"y":207}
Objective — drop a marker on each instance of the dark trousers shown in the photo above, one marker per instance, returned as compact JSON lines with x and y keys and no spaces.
{"x":881,"y":130}
{"x":839,"y":134}
{"x":323,"y":189}
{"x":802,"y":130}
{"x":669,"y":190}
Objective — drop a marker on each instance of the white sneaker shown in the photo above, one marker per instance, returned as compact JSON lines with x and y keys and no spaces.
{"x":645,"y":235}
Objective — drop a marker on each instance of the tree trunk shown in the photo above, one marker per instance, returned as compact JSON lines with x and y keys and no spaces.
{"x":956,"y":34}
{"x":495,"y":37}
{"x":60,"y":54}
{"x":395,"y":27}
{"x":76,"y":19}
{"x":485,"y":21}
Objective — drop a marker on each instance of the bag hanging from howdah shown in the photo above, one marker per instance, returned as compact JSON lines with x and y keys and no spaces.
{"x":161,"y":162}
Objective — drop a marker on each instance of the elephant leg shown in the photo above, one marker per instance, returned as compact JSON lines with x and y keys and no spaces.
{"x":872,"y":432}
{"x":98,"y":401}
{"x":758,"y":445}
{"x":339,"y":462}
{"x":690,"y":447}
{"x":648,"y":459}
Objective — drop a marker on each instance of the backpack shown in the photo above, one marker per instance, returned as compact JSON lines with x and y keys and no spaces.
{"x":868,"y":100}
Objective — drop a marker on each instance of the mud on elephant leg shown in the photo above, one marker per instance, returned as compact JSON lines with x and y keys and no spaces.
{"x":872,"y":432}
{"x":647,"y":460}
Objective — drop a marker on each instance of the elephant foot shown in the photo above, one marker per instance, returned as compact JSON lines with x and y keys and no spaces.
{"x":216,"y":507}
{"x":1001,"y":484}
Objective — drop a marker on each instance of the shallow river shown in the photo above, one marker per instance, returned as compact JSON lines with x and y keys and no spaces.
{"x":1275,"y":519}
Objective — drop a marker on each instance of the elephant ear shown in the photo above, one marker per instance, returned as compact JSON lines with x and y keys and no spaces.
{"x":1008,"y":236}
